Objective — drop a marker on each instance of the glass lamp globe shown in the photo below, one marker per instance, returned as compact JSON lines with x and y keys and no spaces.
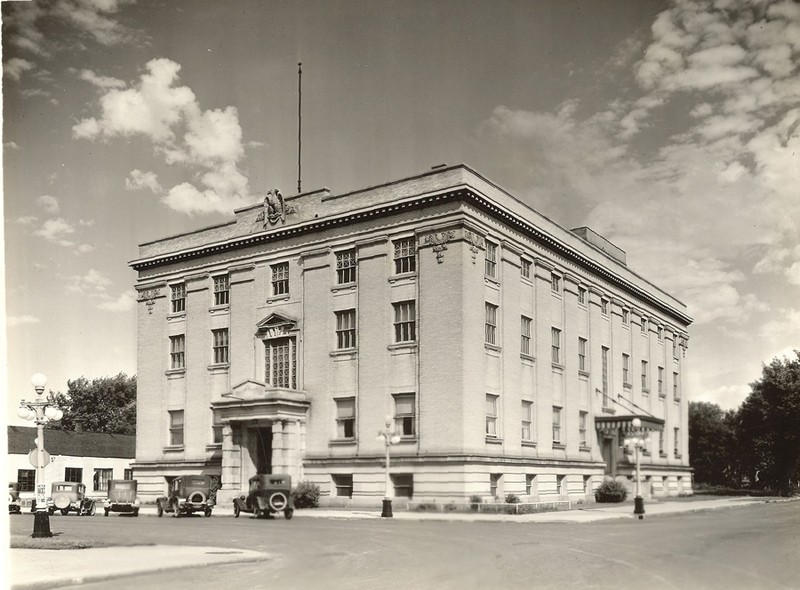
{"x":24,"y":412}
{"x":50,"y":412}
{"x":58,"y":415}
{"x":395,"y":439}
{"x":636,"y":423}
{"x":39,"y":380}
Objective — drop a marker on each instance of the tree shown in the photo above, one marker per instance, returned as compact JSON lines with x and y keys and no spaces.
{"x":711,"y":443}
{"x":105,"y":404}
{"x":768,"y":426}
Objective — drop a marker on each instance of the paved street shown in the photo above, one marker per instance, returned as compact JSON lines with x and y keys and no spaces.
{"x":745,"y":547}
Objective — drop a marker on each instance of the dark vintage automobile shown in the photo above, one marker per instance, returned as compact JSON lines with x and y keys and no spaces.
{"x":268,"y":494}
{"x":68,"y":496}
{"x":14,"y":505}
{"x":122,"y":497}
{"x":187,"y":495}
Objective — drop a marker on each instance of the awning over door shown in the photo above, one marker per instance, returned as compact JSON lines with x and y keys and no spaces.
{"x":612,"y":424}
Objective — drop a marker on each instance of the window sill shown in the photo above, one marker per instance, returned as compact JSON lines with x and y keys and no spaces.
{"x":411,"y":438}
{"x":410,"y":345}
{"x":662,"y":455}
{"x":214,"y":447}
{"x":529,"y":443}
{"x":677,"y":400}
{"x":175,"y":373}
{"x":492,"y":347}
{"x":348,"y":353}
{"x":608,"y":410}
{"x":344,"y":287}
{"x":174,"y":449}
{"x":677,"y":456}
{"x":662,"y":395}
{"x":491,"y":281}
{"x":558,"y":366}
{"x":556,"y":294}
{"x":526,"y":280}
{"x":405,"y":277}
{"x":585,"y":449}
{"x":493,"y":440}
{"x":527,"y":357}
{"x":178,"y":315}
{"x":219,"y":368}
{"x":627,"y":386}
{"x":278,"y":299}
{"x":219,"y":308}
{"x":583,"y":373}
{"x":559,"y":446}
{"x":645,"y":391}
{"x":342,"y":442}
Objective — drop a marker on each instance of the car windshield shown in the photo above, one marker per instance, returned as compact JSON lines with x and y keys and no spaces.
{"x":64,"y":488}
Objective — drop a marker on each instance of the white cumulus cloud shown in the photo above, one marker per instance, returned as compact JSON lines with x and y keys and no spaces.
{"x":48,"y":203}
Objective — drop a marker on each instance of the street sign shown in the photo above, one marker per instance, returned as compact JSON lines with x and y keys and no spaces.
{"x":40,"y":494}
{"x":34,"y":459}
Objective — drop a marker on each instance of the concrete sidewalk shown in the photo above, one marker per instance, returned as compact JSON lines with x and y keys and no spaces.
{"x":65,"y":567}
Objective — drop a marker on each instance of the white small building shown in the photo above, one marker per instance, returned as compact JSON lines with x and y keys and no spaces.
{"x":91,"y":458}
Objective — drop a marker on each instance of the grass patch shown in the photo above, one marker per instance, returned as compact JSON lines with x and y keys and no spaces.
{"x":60,"y":542}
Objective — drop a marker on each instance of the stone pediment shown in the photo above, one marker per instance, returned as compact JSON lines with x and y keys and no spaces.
{"x":275,"y":325}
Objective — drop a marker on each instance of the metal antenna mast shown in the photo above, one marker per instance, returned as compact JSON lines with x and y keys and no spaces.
{"x":299,"y":122}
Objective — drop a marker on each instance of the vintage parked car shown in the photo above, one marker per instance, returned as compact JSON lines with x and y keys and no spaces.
{"x":14,"y":505}
{"x":122,"y":497}
{"x":67,"y":497}
{"x":268,"y":494}
{"x":187,"y":495}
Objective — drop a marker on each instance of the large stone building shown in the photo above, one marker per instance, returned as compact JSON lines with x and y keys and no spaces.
{"x":511,"y":354}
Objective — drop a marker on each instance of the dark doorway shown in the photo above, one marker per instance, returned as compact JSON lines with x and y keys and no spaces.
{"x":608,"y":456}
{"x":263,"y":443}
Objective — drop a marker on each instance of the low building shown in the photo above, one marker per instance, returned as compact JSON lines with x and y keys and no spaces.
{"x":510,"y":354}
{"x":91,"y":458}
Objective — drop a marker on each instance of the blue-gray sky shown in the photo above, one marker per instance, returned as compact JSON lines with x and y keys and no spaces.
{"x":671,"y":128}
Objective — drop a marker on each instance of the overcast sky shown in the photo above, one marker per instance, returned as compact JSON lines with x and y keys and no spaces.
{"x":671,"y":128}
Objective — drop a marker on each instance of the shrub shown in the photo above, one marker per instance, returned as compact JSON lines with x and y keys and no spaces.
{"x":474,"y":501}
{"x":512,"y":499}
{"x":306,"y":495}
{"x":610,"y":491}
{"x":427,"y":507}
{"x":450,"y":507}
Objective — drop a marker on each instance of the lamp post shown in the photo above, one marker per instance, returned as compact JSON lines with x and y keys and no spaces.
{"x":638,"y":442}
{"x":388,"y":436}
{"x":41,"y":412}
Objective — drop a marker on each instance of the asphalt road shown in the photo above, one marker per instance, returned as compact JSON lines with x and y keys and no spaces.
{"x":749,"y":548}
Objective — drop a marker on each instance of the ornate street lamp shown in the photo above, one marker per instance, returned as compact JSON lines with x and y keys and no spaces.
{"x":388,"y":436}
{"x":637,"y":441}
{"x":41,"y":412}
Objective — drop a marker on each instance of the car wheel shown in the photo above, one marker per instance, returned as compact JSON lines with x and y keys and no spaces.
{"x":236,"y":510}
{"x":176,"y":509}
{"x":105,"y":512}
{"x":136,"y":512}
{"x":92,"y":511}
{"x":258,"y":512}
{"x":207,"y":512}
{"x":288,"y":513}
{"x":159,"y":510}
{"x":64,"y":511}
{"x":51,"y":510}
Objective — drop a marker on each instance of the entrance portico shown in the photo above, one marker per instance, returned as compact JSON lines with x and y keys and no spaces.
{"x":263,"y":431}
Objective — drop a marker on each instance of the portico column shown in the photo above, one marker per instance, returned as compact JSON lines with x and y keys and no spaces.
{"x":278,"y":447}
{"x":231,"y":460}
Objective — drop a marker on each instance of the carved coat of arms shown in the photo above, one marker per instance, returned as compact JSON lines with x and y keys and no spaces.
{"x":275,"y":209}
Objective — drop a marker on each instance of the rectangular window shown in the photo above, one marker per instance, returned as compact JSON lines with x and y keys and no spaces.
{"x":660,"y":333}
{"x":127,"y":474}
{"x":26,"y":478}
{"x":582,"y":354}
{"x":403,"y":484}
{"x":491,"y":415}
{"x":176,"y":428}
{"x":221,"y":290}
{"x":626,"y":317}
{"x":405,"y":259}
{"x":346,"y":418}
{"x":343,"y":484}
{"x":405,"y":415}
{"x":101,"y":479}
{"x":280,"y":279}
{"x":581,"y":295}
{"x":494,"y":483}
{"x":345,"y":329}
{"x":216,"y":431}
{"x":645,"y":380}
{"x":604,"y":306}
{"x":556,"y":425}
{"x":491,"y":324}
{"x":525,"y":268}
{"x":561,"y":484}
{"x":527,"y":420}
{"x":346,"y":267}
{"x":555,"y":283}
{"x":525,"y":336}
{"x":490,"y":268}
{"x":675,"y":394}
{"x":674,"y":346}
{"x":531,"y":485}
{"x":644,"y":325}
{"x":405,"y":321}
{"x":626,"y":369}
{"x":177,"y":351}
{"x":582,"y":439}
{"x":661,"y":381}
{"x":604,"y":360}
{"x":280,"y":366}
{"x":662,"y":437}
{"x":220,"y":346}
{"x":555,"y":334}
{"x":178,"y":297}
{"x":676,"y":443}
{"x":73,"y":474}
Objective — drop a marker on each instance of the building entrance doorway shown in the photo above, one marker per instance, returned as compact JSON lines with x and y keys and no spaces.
{"x":609,"y":456}
{"x":263,"y":449}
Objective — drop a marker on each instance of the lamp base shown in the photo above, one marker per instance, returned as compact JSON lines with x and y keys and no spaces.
{"x":41,"y":524}
{"x":638,"y":507}
{"x":387,"y":508}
